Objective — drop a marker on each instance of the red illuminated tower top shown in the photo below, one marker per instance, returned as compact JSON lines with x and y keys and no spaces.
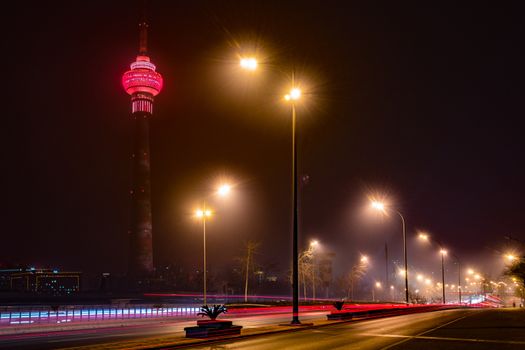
{"x":142,"y":82}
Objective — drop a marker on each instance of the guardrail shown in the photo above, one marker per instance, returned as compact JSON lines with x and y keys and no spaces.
{"x":71,"y":314}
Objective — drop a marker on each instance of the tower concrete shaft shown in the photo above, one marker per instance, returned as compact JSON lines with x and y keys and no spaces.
{"x":143,"y":83}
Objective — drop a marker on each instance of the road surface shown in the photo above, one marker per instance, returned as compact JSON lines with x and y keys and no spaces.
{"x":451,"y":329}
{"x":150,"y":328}
{"x":479,"y":329}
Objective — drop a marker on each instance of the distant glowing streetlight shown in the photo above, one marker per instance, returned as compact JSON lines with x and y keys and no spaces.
{"x":378,"y":286}
{"x":248,"y":63}
{"x":443,"y":252}
{"x":423,"y":236}
{"x":364,"y":259}
{"x":470,"y":272}
{"x":511,"y":257}
{"x":224,"y":190}
{"x":379,"y":206}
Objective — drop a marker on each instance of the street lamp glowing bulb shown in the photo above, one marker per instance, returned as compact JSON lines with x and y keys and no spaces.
{"x":224,"y":190}
{"x":294,"y":94}
{"x":314,"y":243}
{"x":443,"y":252}
{"x":423,"y":236}
{"x":378,"y":206}
{"x":378,"y":284}
{"x":202,"y":213}
{"x":248,"y":63}
{"x":364,"y":259}
{"x":510,"y":257}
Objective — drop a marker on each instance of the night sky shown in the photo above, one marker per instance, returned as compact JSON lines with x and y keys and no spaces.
{"x":418,"y":102}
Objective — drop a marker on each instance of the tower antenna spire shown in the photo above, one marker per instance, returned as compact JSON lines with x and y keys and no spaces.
{"x":143,"y":27}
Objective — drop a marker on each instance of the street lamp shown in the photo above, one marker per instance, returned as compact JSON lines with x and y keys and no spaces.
{"x":250,"y":64}
{"x":203,"y":214}
{"x":292,"y":97}
{"x":443,"y":252}
{"x":381,"y":207}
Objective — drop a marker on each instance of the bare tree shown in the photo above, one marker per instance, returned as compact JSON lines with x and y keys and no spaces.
{"x":356,"y":274}
{"x":247,"y":263}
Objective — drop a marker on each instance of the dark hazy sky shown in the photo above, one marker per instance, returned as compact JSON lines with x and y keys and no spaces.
{"x":420,"y":101}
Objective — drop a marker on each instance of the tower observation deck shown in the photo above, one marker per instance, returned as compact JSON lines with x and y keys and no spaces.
{"x":143,"y":83}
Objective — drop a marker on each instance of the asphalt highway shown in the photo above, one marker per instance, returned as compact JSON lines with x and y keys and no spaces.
{"x":149,"y":328}
{"x":450,"y":329}
{"x":479,"y":329}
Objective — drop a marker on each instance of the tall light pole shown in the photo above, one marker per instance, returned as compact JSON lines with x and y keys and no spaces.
{"x":381,"y":207}
{"x":291,"y":97}
{"x":203,"y":214}
{"x":251,"y":64}
{"x":443,"y":253}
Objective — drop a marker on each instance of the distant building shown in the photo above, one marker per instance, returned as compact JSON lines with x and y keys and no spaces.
{"x":5,"y":278}
{"x":42,"y":281}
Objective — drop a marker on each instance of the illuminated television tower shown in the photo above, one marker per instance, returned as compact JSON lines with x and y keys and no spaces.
{"x":143,"y":83}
